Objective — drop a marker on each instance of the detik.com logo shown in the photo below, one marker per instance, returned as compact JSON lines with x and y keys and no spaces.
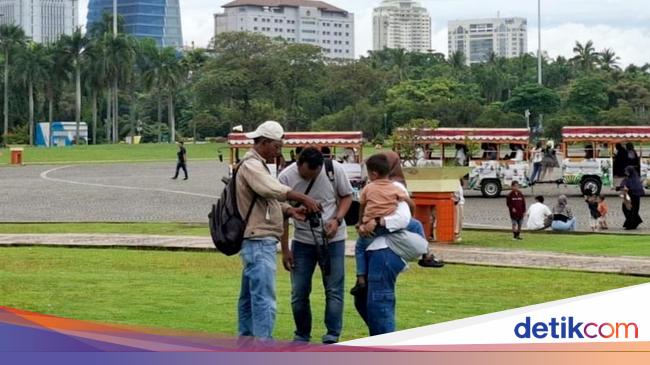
{"x":569,"y":327}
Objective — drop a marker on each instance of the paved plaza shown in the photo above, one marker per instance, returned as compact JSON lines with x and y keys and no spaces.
{"x":144,"y":192}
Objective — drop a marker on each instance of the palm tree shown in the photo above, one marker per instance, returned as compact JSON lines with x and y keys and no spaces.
{"x":585,"y":55}
{"x":32,"y":66}
{"x":457,"y":60}
{"x":608,"y":60}
{"x":73,"y":47}
{"x":95,"y":78}
{"x":172,"y":74}
{"x":119,"y":57}
{"x":10,"y":36}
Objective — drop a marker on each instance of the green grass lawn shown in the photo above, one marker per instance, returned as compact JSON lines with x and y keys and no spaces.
{"x":198,"y":291}
{"x":588,"y":244}
{"x":127,"y":153}
{"x":116,"y":153}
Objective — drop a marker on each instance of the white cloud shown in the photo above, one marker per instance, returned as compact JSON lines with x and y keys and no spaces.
{"x":622,"y":26}
{"x":629,"y":44}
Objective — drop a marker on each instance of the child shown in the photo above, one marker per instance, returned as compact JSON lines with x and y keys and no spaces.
{"x":517,"y":208}
{"x":602,"y":209}
{"x":378,"y":199}
{"x":592,"y":204}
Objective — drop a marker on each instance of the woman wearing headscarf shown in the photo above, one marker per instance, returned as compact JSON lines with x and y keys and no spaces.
{"x":620,"y":161}
{"x":563,"y":219}
{"x":632,"y":188}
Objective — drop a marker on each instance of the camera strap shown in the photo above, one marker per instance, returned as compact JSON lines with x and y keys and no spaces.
{"x":311,"y":184}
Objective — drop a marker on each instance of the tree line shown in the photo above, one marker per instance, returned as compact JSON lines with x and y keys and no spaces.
{"x":123,"y":86}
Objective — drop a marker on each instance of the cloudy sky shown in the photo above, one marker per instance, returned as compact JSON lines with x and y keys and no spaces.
{"x":623,"y":25}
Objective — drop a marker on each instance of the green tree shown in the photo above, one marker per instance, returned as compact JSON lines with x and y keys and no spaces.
{"x":585,"y":55}
{"x":588,"y":96}
{"x":608,"y":60}
{"x":32,"y":67}
{"x":11,"y":37}
{"x":536,"y":98}
{"x":73,"y":48}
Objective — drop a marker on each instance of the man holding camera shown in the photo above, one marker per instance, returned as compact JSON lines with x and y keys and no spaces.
{"x":319,"y":240}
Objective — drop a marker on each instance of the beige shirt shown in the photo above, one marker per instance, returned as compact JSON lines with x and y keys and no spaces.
{"x":266,"y":219}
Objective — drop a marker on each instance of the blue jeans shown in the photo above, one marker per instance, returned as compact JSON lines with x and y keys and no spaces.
{"x":537,"y":170}
{"x":257,"y":296}
{"x":569,"y":225}
{"x":363,"y":242}
{"x":305,"y":261}
{"x":379,"y":313}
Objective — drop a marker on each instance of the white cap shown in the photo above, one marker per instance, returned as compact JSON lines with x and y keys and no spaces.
{"x":269,"y":129}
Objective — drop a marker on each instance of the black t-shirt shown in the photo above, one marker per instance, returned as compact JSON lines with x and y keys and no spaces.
{"x":181,"y":155}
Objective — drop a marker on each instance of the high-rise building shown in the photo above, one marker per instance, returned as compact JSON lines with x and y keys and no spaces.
{"x":300,"y":21}
{"x":401,"y":24}
{"x":478,"y":38}
{"x":44,"y":21}
{"x":156,"y":19}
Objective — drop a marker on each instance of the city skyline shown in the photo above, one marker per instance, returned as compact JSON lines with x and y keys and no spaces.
{"x":623,"y":30}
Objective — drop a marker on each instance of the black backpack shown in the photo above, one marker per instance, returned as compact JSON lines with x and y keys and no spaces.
{"x":352,"y":216}
{"x":227,"y":226}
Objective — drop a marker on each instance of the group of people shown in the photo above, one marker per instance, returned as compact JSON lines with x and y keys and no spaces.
{"x":561,"y":217}
{"x":388,"y":237}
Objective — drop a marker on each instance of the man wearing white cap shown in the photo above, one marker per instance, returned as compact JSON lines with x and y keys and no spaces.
{"x":264,"y":228}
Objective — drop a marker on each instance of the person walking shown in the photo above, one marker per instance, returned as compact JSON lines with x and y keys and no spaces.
{"x":538,"y":155}
{"x":517,"y":208}
{"x":181,"y":161}
{"x":320,"y":241}
{"x":632,"y":188}
{"x":261,"y":197}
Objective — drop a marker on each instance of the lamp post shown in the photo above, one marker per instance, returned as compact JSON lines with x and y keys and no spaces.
{"x":539,"y":41}
{"x":114,"y":18}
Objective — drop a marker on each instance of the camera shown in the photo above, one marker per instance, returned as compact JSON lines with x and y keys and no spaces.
{"x":314,"y":220}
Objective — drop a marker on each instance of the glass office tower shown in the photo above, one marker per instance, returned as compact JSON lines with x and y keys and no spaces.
{"x":156,"y":19}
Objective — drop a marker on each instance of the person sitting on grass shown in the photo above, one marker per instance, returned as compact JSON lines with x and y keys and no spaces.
{"x":538,"y":215}
{"x":563,"y":219}
{"x":517,"y":208}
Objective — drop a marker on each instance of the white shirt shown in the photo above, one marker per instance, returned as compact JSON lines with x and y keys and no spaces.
{"x":519,"y":155}
{"x":394,"y":222}
{"x":537,"y":155}
{"x":537,"y":213}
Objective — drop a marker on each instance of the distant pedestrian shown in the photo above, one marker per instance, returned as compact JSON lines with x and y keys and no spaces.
{"x":602,"y":209}
{"x":517,"y":207}
{"x":633,"y":158}
{"x":181,"y":161}
{"x":538,"y":155}
{"x":632,"y":188}
{"x":592,"y":204}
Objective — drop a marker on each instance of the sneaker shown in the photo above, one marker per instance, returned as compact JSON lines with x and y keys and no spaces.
{"x":430,"y":263}
{"x":174,"y":178}
{"x":519,"y":238}
{"x":358,"y":289}
{"x":185,"y":178}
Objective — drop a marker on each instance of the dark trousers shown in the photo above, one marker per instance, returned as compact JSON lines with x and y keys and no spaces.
{"x":305,"y":260}
{"x":180,"y":165}
{"x":632,"y":217}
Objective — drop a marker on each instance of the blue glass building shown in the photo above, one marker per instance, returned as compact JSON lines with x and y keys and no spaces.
{"x":156,"y":19}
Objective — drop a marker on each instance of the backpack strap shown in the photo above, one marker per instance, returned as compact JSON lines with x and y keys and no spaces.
{"x":255,"y":195}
